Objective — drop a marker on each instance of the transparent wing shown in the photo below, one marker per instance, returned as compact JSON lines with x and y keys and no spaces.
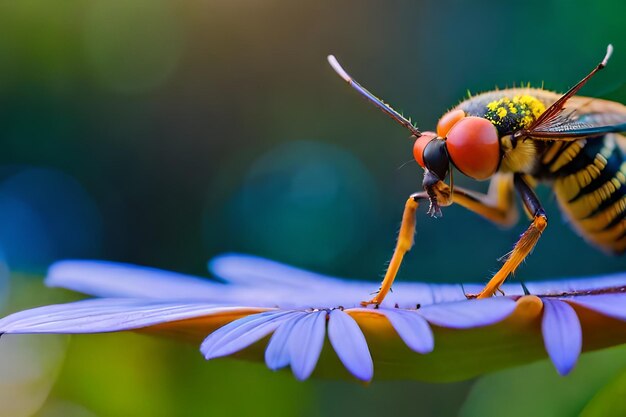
{"x":569,"y":126}
{"x":560,"y":123}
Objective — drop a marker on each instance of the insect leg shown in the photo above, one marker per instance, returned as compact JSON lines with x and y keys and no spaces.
{"x":527,"y":241}
{"x":404,"y":244}
{"x":497,"y":205}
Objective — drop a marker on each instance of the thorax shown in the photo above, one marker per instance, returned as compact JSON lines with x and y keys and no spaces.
{"x":511,"y":110}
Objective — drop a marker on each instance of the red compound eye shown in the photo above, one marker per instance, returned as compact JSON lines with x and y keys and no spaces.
{"x":448,"y":120}
{"x":474,"y":147}
{"x":420,"y":144}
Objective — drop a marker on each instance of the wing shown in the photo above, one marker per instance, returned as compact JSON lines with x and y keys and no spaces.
{"x":560,"y":123}
{"x":572,"y":126}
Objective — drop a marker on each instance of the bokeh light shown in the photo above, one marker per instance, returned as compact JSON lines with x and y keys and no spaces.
{"x":46,"y":215}
{"x":29,"y":366}
{"x":305,"y":201}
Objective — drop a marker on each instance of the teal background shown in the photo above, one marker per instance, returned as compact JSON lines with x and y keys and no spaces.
{"x":164,"y":132}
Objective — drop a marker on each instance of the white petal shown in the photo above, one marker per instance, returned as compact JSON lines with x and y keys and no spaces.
{"x":110,"y":279}
{"x":105,"y":315}
{"x":305,"y":343}
{"x":240,"y":334}
{"x":277,"y":351}
{"x":412,"y":328}
{"x":562,"y":334}
{"x":350,"y":345}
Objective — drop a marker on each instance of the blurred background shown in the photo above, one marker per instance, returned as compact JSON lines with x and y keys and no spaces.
{"x":163,"y":132}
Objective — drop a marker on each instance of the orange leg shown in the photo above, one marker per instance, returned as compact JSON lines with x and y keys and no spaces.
{"x":404,"y":244}
{"x":496,"y":206}
{"x":525,"y":244}
{"x":522,"y":249}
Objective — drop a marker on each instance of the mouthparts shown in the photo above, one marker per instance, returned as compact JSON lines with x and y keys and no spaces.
{"x":438,"y":193}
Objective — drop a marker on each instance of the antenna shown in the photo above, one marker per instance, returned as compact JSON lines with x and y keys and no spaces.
{"x":372,"y":98}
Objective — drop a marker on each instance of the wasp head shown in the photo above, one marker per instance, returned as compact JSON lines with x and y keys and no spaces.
{"x":432,"y":154}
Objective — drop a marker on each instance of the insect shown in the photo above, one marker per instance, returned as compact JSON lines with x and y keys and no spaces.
{"x":516,"y":138}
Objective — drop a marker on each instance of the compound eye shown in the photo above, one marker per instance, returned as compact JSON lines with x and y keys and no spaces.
{"x":474,"y":147}
{"x":447,"y":121}
{"x":420,"y":144}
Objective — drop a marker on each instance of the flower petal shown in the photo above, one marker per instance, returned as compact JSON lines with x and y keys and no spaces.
{"x":240,"y":334}
{"x":562,"y":334}
{"x":306,"y":342}
{"x":578,"y":284}
{"x":347,"y":339}
{"x":308,"y":289}
{"x":259,"y":272}
{"x":469,"y":313}
{"x":277,"y":351}
{"x":110,"y":279}
{"x":105,"y":315}
{"x":612,"y":305}
{"x":412,"y":328}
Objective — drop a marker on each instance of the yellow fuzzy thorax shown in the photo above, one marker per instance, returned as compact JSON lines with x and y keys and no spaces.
{"x":517,"y":112}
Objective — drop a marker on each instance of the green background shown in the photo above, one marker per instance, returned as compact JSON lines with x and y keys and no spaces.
{"x":164,"y":132}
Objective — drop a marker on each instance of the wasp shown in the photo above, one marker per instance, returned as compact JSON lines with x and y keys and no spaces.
{"x":517,"y":138}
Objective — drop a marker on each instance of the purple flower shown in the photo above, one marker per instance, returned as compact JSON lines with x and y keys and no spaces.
{"x":560,"y":325}
{"x":285,"y":316}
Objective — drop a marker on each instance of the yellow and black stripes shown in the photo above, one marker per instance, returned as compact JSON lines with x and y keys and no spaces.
{"x":567,"y":155}
{"x":590,"y":184}
{"x":588,"y":175}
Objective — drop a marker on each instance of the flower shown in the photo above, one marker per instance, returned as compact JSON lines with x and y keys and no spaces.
{"x":287,"y":317}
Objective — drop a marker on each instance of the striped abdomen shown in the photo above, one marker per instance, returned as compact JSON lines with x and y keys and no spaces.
{"x":589,"y":180}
